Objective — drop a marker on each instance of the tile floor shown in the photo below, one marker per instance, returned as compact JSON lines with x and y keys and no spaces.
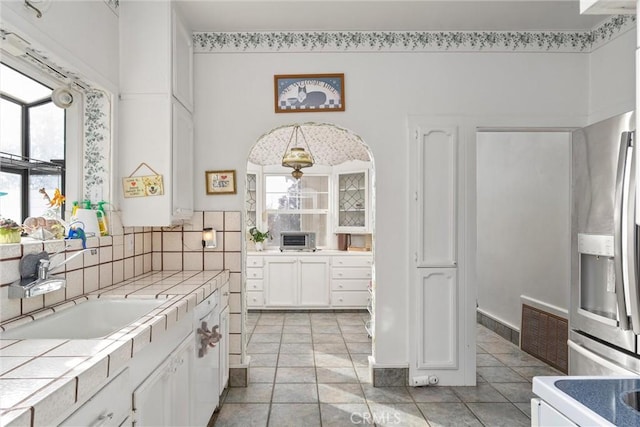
{"x":310,"y":369}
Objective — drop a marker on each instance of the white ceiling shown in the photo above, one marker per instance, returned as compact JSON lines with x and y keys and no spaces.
{"x":385,"y":15}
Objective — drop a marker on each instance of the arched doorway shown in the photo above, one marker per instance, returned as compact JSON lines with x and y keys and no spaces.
{"x":334,"y":199}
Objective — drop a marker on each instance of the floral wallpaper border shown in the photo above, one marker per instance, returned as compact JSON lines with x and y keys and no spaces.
{"x":421,"y":41}
{"x":97,"y":146}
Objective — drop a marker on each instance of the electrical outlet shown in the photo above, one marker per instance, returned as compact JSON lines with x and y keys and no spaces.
{"x":420,"y":381}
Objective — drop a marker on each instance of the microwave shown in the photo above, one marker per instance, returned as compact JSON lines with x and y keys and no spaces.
{"x":297,"y":241}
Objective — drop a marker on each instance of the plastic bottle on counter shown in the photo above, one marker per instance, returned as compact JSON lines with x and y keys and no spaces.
{"x":102,"y":219}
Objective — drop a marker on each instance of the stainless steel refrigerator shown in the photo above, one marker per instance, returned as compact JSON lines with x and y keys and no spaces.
{"x":604,"y":317}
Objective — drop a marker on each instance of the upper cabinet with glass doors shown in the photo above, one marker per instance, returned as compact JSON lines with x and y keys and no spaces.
{"x":352,"y":198}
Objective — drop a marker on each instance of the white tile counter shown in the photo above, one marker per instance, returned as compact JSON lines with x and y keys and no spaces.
{"x":40,"y":379}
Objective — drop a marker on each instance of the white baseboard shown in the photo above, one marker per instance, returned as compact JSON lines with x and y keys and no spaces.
{"x":549,"y":308}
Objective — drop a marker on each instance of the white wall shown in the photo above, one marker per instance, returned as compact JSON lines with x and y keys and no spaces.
{"x":234,"y":106}
{"x":524,"y":221}
{"x":80,"y":34}
{"x":612,"y":78}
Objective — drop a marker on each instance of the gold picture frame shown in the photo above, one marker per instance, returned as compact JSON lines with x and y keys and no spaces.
{"x":220,"y":182}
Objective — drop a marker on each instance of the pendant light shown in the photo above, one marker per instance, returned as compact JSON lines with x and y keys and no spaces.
{"x":297,"y":157}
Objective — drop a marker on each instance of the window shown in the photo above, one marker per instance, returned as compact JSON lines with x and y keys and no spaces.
{"x":32,"y":145}
{"x":297,"y":205}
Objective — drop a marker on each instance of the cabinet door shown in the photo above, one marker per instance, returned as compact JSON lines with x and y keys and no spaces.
{"x":182,"y":165}
{"x":545,"y":415}
{"x":352,"y":192}
{"x":223,"y":345}
{"x":180,"y":392}
{"x":182,"y":59}
{"x":151,"y":398}
{"x":251,"y":199}
{"x":436,"y":196}
{"x":437,"y":320}
{"x":281,"y":281}
{"x":164,"y":397}
{"x":314,"y":281}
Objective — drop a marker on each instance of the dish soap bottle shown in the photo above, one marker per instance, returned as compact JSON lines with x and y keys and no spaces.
{"x":102,"y":219}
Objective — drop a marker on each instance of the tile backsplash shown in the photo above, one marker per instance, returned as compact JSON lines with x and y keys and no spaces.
{"x":134,"y":251}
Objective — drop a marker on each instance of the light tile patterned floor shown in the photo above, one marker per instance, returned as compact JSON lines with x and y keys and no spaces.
{"x":310,"y":369}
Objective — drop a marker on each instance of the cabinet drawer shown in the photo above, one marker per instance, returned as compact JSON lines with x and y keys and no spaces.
{"x":351,"y":273}
{"x":254,"y":273}
{"x":108,"y":407}
{"x":255,"y":299}
{"x":224,"y":295}
{"x":254,"y":285}
{"x":254,"y":261}
{"x":352,"y":261}
{"x":350,"y":299}
{"x":350,"y":284}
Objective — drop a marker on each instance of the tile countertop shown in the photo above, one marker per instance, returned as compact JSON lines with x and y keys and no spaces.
{"x":41,"y":378}
{"x":590,"y":401}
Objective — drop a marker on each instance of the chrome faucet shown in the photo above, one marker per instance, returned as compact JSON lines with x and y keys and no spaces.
{"x":27,"y":287}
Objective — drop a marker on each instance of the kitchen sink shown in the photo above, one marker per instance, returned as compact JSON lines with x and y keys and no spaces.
{"x":95,"y":318}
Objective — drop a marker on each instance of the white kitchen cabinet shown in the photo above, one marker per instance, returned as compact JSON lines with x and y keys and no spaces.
{"x":281,"y":281}
{"x":182,"y":157}
{"x":253,"y":196}
{"x":182,"y":62}
{"x":436,"y":195}
{"x":436,"y":304}
{"x":164,"y":398}
{"x":607,"y":7}
{"x":309,"y":280}
{"x":108,"y":407}
{"x":352,"y":198}
{"x":350,"y":281}
{"x":223,"y":346}
{"x":297,"y":281}
{"x":313,"y":281}
{"x":155,"y":111}
{"x":545,"y":415}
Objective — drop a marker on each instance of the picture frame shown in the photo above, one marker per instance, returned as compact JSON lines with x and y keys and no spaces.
{"x":220,"y":182}
{"x":309,"y":93}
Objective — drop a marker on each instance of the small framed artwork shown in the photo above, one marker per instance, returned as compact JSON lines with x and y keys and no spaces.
{"x":297,"y":93}
{"x":221,"y":182}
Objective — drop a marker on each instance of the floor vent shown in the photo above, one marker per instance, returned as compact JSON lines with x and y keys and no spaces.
{"x":544,"y":336}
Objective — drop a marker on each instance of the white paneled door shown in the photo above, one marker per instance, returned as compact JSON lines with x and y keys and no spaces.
{"x":438,"y":318}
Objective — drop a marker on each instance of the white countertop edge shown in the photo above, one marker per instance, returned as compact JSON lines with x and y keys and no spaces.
{"x":178,"y":303}
{"x":319,"y":252}
{"x":544,"y":387}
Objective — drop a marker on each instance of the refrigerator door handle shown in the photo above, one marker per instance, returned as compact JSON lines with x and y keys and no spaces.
{"x":623,"y":319}
{"x":629,"y":248}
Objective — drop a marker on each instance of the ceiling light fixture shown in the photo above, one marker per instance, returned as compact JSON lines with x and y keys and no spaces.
{"x":296,"y":157}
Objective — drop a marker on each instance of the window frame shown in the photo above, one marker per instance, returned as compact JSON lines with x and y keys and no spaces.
{"x":70,"y":180}
{"x":280,"y":171}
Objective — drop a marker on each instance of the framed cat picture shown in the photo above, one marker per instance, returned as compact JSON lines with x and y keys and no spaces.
{"x":298,"y":93}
